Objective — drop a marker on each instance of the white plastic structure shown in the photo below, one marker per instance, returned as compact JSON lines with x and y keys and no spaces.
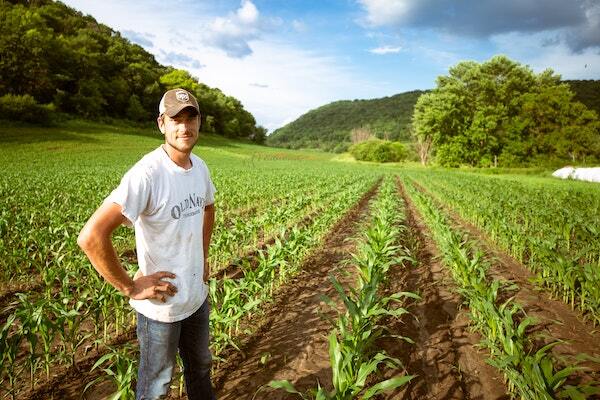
{"x":580,"y":174}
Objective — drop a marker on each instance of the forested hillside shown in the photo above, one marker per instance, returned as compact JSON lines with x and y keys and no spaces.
{"x":54,"y":59}
{"x":329,"y":127}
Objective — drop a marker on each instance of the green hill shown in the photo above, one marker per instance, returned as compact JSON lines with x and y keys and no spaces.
{"x":55,"y":59}
{"x":329,"y":127}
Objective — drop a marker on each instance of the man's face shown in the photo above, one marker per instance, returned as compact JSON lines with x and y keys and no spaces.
{"x":181,"y":131}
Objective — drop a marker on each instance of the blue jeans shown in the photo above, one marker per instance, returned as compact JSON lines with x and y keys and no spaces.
{"x":159,"y":342}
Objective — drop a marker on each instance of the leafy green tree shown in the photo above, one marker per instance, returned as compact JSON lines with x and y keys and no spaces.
{"x":24,"y":108}
{"x":500,"y":110}
{"x":260,"y":135}
{"x":378,"y":150}
{"x":135,"y":111}
{"x":23,"y":39}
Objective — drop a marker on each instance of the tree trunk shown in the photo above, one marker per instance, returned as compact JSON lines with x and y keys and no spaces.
{"x":424,"y":147}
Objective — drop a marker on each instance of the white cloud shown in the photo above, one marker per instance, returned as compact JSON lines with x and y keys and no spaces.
{"x":299,"y":26}
{"x":276,"y":81}
{"x":247,"y":13}
{"x":386,"y":50}
{"x":233,"y":33}
{"x":141,"y":38}
{"x":384,"y":12}
{"x":299,"y":81}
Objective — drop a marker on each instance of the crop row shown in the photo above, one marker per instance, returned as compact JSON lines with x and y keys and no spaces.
{"x":38,"y":231}
{"x":353,"y":352}
{"x":532,"y":372}
{"x":553,"y":229}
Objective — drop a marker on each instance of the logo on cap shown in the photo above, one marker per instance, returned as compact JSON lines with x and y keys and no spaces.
{"x":182,"y":96}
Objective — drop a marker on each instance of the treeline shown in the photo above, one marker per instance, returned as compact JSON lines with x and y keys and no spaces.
{"x":53,"y":59}
{"x":330,"y":127}
{"x":587,"y":92}
{"x":500,"y":113}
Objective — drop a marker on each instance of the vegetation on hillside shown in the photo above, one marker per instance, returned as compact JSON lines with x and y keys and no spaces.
{"x":377,"y":150}
{"x":587,"y":92}
{"x":52,"y":55}
{"x":500,"y":113}
{"x":329,"y":127}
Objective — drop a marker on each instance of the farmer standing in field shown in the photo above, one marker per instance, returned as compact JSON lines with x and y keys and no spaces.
{"x":168,"y":198}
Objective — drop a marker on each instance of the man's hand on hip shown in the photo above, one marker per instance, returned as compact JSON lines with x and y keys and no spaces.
{"x":152,"y":287}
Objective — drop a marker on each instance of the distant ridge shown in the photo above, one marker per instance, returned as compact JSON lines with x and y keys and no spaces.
{"x":328,"y":127}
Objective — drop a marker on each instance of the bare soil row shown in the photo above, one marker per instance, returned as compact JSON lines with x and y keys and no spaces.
{"x":556,"y":320}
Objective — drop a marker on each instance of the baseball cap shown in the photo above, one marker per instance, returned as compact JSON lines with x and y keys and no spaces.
{"x":175,"y":100}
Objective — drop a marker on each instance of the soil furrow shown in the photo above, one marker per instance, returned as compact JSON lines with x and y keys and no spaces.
{"x":445,"y":356}
{"x":292,"y":343}
{"x":555,"y":319}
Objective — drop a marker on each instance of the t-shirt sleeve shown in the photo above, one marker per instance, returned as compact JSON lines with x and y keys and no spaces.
{"x":210,"y":189}
{"x":132,"y":194}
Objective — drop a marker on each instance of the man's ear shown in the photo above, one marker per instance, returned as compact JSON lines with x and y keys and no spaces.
{"x":161,"y":124}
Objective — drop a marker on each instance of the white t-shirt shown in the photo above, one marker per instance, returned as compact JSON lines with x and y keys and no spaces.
{"x":165,"y":203}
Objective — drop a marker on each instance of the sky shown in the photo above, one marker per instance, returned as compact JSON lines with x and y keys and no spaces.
{"x":284,"y":58}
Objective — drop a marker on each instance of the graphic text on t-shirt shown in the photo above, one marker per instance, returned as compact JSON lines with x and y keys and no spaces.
{"x":191,"y":205}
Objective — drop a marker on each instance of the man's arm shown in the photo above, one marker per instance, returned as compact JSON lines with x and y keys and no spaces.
{"x":95,"y":240}
{"x":207,"y":229}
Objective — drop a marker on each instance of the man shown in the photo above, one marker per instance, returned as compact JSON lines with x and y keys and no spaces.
{"x":168,"y":198}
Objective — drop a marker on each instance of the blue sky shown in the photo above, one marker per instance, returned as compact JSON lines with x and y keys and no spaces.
{"x":284,"y":58}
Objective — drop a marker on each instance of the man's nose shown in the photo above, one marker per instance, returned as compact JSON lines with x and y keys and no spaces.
{"x":184,"y":127}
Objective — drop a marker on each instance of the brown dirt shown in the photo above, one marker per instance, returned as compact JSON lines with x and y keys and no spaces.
{"x":444,"y":358}
{"x":556,"y":320}
{"x":292,"y":341}
{"x":8,"y":298}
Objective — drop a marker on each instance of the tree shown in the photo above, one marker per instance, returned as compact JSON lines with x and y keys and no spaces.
{"x":135,"y":111}
{"x":377,"y":150}
{"x":499,"y":110}
{"x":361,"y":134}
{"x":260,"y":135}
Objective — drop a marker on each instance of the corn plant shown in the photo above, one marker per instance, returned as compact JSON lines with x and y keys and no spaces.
{"x":37,"y":243}
{"x":9,"y":350}
{"x":530,"y":373}
{"x":549,"y":226}
{"x":353,"y":357}
{"x":121,"y":369}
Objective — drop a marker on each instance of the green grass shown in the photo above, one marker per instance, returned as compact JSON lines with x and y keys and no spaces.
{"x":109,"y":143}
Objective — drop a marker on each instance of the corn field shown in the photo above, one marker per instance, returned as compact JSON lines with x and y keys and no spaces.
{"x":276,"y":212}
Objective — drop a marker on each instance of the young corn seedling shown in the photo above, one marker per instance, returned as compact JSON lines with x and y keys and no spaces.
{"x":121,"y":369}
